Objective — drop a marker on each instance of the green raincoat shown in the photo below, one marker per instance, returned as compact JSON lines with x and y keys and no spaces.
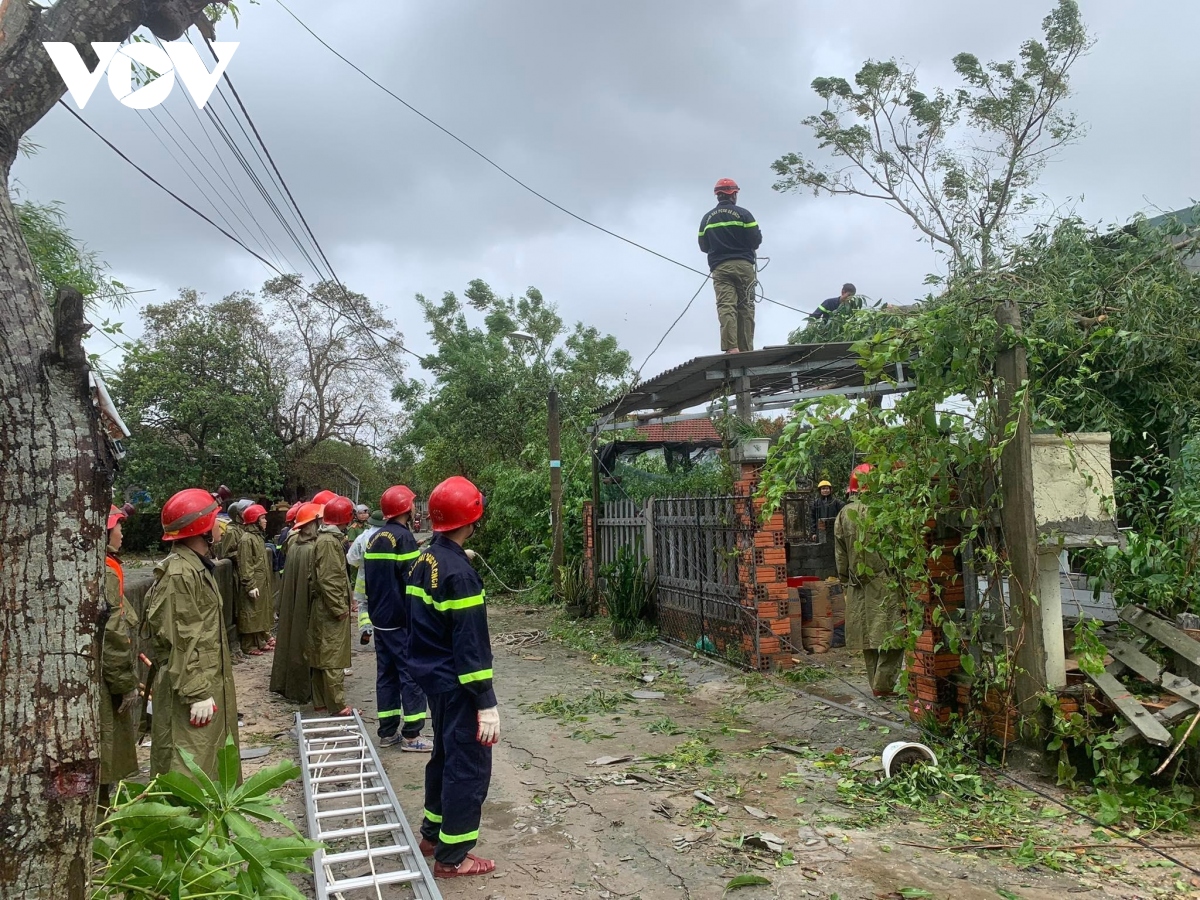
{"x":289,"y":669}
{"x":118,"y":676}
{"x":183,"y":613}
{"x":872,"y":610}
{"x":226,"y":546}
{"x":254,"y":571}
{"x":328,"y":645}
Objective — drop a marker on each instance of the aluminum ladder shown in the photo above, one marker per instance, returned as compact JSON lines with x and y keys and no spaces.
{"x":353,"y":811}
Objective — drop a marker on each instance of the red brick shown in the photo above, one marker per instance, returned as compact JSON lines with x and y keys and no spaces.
{"x":781,"y":627}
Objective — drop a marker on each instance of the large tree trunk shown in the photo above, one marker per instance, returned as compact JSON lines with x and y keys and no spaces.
{"x":54,"y":484}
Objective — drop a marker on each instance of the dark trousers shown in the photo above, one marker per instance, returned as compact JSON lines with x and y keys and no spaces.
{"x":456,"y":778}
{"x":401,"y":703}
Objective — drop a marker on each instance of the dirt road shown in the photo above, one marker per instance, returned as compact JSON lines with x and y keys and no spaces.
{"x":715,"y":763}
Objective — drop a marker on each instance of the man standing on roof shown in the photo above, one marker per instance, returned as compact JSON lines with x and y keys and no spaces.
{"x":730,"y":237}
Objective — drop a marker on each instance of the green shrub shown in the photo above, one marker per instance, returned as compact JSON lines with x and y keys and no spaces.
{"x":627,"y":593}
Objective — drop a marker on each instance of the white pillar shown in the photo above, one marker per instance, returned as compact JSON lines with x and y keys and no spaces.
{"x":1049,"y":594}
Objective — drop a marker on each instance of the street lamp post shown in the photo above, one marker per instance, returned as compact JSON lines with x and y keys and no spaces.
{"x":554,"y":441}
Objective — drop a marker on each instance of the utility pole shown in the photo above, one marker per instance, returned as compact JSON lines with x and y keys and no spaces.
{"x":556,"y":525}
{"x":1017,"y":518}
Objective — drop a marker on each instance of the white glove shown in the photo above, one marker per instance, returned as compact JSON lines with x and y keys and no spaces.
{"x":253,"y":592}
{"x":202,"y":712}
{"x":470,"y":554}
{"x":489,"y":726}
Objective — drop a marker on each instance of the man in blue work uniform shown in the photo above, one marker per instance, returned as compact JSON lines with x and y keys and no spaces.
{"x":390,"y":554}
{"x":730,"y":237}
{"x":450,"y":657}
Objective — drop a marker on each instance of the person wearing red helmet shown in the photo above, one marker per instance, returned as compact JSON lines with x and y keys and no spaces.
{"x":323,"y":497}
{"x":731,"y":237}
{"x":328,"y":646}
{"x":873,"y":607}
{"x":195,"y":703}
{"x":118,"y":676}
{"x":450,"y":657}
{"x":255,"y":613}
{"x":386,"y":563}
{"x":290,"y":673}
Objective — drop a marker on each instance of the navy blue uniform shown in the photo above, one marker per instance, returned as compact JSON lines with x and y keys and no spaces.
{"x":387,"y":560}
{"x":729,"y":232}
{"x":450,"y":657}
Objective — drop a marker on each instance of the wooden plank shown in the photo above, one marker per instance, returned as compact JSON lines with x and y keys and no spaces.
{"x":1139,"y":717}
{"x":1163,"y":632}
{"x":1132,"y":657}
{"x":1139,"y":642}
{"x":1168,"y":716}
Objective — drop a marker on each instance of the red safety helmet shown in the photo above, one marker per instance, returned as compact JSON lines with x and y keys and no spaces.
{"x":290,"y":515}
{"x":114,"y":516}
{"x":338,"y":511}
{"x":308,"y":512}
{"x":455,"y":503}
{"x":323,"y":497}
{"x":252,"y":513}
{"x":861,"y":469}
{"x":726,"y":186}
{"x":188,"y":513}
{"x":396,"y":501}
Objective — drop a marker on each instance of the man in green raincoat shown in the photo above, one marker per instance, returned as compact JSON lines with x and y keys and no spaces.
{"x":225,"y":547}
{"x":195,"y":704}
{"x":290,"y":674}
{"x":328,"y":646}
{"x":255,"y":607}
{"x":873,"y":608}
{"x":119,"y":680}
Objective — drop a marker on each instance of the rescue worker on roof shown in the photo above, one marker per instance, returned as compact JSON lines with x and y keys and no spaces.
{"x":327,"y":650}
{"x":290,"y":675}
{"x":255,"y":609}
{"x":118,"y":676}
{"x":823,"y":512}
{"x":386,"y":564}
{"x":195,"y":705}
{"x":450,"y":657}
{"x":730,"y":237}
{"x":873,"y":606}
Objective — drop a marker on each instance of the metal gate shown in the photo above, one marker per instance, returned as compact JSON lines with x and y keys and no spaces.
{"x":703,"y":556}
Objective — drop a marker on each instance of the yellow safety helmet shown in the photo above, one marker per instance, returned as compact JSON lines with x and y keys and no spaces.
{"x":823,"y":483}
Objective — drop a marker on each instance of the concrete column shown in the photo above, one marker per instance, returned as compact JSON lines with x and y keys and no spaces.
{"x":1049,"y":594}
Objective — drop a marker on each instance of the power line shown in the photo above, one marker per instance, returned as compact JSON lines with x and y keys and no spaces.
{"x":499,"y":168}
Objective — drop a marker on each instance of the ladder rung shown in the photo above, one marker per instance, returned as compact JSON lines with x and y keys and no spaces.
{"x":357,"y":792}
{"x":336,"y":751}
{"x":327,"y":779}
{"x":366,"y":881}
{"x":345,"y":729}
{"x":339,"y":764}
{"x":357,"y":830}
{"x":330,"y":859}
{"x":348,"y":721}
{"x":352,"y":811}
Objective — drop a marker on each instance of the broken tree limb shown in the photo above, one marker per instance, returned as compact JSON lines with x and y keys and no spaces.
{"x":1182,"y":742}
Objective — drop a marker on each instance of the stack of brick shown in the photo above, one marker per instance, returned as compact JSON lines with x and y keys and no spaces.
{"x":823,"y":614}
{"x":932,"y":666}
{"x":763,"y":573}
{"x":589,"y":541}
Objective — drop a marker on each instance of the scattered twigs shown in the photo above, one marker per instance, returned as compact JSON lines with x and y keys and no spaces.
{"x":1175,"y":751}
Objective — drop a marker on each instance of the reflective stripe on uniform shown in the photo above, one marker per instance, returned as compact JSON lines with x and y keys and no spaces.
{"x":415,"y":717}
{"x":456,"y":838}
{"x":446,"y":605}
{"x":750,"y":224}
{"x":432,"y":817}
{"x":397,"y":557}
{"x":480,"y":675}
{"x":387,"y":713}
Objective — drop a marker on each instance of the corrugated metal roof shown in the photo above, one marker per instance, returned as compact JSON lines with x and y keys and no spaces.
{"x":773,"y":371}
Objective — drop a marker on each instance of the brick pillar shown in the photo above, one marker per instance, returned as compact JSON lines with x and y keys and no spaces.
{"x":589,"y":548}
{"x":763,"y":574}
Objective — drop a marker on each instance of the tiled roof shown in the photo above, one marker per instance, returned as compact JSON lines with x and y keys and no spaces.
{"x":687,"y":430}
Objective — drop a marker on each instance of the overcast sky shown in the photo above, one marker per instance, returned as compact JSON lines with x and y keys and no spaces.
{"x":626,"y":112}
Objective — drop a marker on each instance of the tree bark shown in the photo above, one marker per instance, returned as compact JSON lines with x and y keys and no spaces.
{"x":55,"y":483}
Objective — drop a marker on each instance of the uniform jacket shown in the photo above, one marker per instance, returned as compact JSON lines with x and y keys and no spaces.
{"x":873,"y":609}
{"x":727,"y":232}
{"x":183,"y":614}
{"x":118,"y":733}
{"x":254,"y":571}
{"x":823,"y":508}
{"x":328,"y":645}
{"x":386,"y":563}
{"x":449,"y":646}
{"x":289,"y":669}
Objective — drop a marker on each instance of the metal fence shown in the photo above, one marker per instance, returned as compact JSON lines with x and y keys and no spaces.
{"x":700,"y":551}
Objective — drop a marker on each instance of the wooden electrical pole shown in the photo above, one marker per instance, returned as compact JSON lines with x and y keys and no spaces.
{"x":556,"y":529}
{"x":1017,"y":518}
